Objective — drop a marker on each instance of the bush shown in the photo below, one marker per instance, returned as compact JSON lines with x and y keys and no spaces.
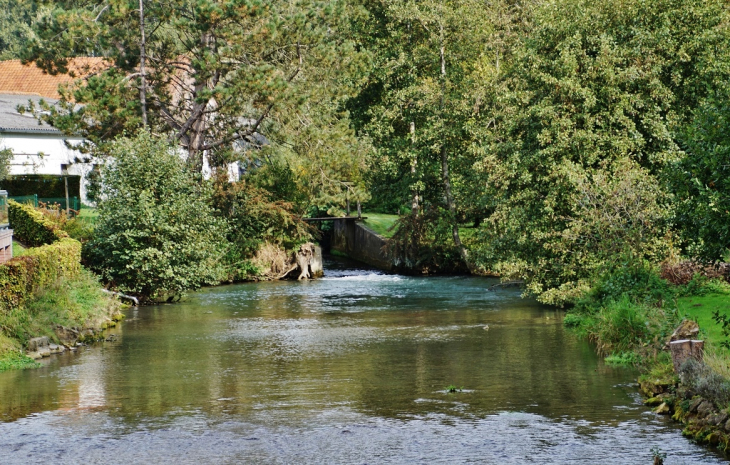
{"x":424,"y":243}
{"x":704,"y":382}
{"x":639,"y":282}
{"x":620,"y":326}
{"x":71,"y":302}
{"x":254,"y":220}
{"x":156,"y":235}
{"x":31,"y":227}
{"x":38,"y":267}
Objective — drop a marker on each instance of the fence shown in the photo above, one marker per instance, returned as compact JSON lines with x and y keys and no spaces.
{"x":34,"y":200}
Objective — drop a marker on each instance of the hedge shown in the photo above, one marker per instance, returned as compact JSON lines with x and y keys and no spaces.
{"x":30,"y":226}
{"x":40,"y":266}
{"x":52,"y":255}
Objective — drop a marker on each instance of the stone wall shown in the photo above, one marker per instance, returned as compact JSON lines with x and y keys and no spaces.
{"x":360,"y":243}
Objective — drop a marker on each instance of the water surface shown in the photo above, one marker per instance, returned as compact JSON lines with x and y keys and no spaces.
{"x":352,"y":368}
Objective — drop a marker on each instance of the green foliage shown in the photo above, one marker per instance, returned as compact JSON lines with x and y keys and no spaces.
{"x":15,"y":360}
{"x":599,"y":90}
{"x":253,"y":219}
{"x":638,"y":281}
{"x":701,"y":180}
{"x":622,"y":358}
{"x":16,"y":26}
{"x":256,"y":63}
{"x":423,"y":244}
{"x":156,"y":235}
{"x":6,"y":156}
{"x":36,"y":268}
{"x":70,"y":301}
{"x":31,"y":227}
{"x":723,"y":321}
{"x":621,"y":326}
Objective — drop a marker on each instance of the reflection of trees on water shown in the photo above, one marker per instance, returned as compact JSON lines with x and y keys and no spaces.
{"x":277,"y":361}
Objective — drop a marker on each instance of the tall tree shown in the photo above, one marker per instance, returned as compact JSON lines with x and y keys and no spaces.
{"x":428,"y":91}
{"x":596,"y":88}
{"x":210,"y":74}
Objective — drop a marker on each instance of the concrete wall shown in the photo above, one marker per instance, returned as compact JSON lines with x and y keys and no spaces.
{"x":360,"y":243}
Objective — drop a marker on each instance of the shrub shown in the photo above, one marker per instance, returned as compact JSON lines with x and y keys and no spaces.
{"x":703,"y":381}
{"x":424,"y":243}
{"x":31,"y":227}
{"x":640,"y":282}
{"x":38,"y":267}
{"x":620,"y":326}
{"x":156,"y":235}
{"x":255,"y":220}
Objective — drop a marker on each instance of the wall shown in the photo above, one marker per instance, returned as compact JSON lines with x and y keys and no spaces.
{"x":360,"y":243}
{"x":44,"y":154}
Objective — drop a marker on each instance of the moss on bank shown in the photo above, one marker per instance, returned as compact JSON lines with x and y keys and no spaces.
{"x":76,"y":303}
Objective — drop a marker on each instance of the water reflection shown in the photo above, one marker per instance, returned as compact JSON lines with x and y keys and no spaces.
{"x":353,"y":366}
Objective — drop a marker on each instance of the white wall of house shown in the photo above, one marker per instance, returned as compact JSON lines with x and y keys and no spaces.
{"x":44,"y":153}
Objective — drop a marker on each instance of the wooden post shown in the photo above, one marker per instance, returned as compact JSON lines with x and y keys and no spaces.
{"x":359,"y":210}
{"x":65,"y":180}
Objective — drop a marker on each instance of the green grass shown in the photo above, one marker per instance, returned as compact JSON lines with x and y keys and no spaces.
{"x":700,"y":308}
{"x":69,"y":302}
{"x":88,"y":213}
{"x":16,"y":361}
{"x":18,"y":248}
{"x":380,"y":223}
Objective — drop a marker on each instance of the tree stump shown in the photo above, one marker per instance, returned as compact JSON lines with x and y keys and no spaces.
{"x":685,"y":349}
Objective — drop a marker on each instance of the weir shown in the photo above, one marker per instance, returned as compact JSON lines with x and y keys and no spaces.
{"x":357,"y":241}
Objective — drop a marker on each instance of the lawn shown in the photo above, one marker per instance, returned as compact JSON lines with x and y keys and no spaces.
{"x":18,"y":248}
{"x":701,"y":308}
{"x":88,"y":213}
{"x":380,"y":223}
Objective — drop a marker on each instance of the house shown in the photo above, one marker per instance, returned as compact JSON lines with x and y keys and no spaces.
{"x":37,"y":147}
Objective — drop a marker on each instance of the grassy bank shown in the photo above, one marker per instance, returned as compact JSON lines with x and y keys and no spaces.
{"x":631,"y":313}
{"x":381,"y":223}
{"x":70,"y":303}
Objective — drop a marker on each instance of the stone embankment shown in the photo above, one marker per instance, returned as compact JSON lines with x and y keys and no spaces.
{"x":69,"y":338}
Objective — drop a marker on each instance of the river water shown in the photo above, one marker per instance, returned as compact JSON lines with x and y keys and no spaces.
{"x":352,"y":368}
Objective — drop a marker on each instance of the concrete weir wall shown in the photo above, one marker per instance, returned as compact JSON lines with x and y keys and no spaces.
{"x":360,"y":243}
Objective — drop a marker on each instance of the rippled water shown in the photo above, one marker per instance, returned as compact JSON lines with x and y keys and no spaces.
{"x":352,"y":368}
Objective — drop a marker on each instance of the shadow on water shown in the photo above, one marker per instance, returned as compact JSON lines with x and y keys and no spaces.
{"x":350,"y":368}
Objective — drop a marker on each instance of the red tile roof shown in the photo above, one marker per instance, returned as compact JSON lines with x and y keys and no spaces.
{"x":16,"y":78}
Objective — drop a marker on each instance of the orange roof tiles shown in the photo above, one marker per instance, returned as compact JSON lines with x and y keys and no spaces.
{"x":16,"y":78}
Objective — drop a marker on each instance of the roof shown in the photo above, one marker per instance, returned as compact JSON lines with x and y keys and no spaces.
{"x":17,"y":78}
{"x":13,"y":122}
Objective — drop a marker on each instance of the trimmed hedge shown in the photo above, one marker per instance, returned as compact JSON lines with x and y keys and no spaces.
{"x":40,"y":266}
{"x":30,"y":226}
{"x":53,"y":255}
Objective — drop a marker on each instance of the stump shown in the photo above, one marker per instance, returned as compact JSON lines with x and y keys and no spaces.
{"x":685,"y":349}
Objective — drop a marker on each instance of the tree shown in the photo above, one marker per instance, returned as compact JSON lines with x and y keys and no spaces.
{"x":156,"y":235}
{"x":16,"y":26}
{"x":215,"y":73}
{"x":700,"y":181}
{"x":425,"y":97}
{"x":592,"y":85}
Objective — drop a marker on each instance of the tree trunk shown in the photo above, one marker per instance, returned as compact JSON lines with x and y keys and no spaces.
{"x":142,"y":56}
{"x":450,"y":204}
{"x":414,"y":164}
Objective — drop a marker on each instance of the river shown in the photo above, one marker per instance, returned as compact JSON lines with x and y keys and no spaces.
{"x":352,"y":368}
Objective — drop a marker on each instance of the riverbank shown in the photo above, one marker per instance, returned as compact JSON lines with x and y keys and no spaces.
{"x":632,"y":314}
{"x":55,"y":319}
